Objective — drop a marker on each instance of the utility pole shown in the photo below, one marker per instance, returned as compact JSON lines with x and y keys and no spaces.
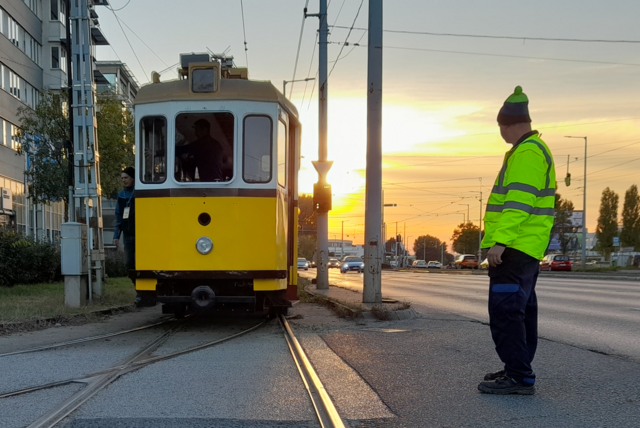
{"x":584,"y":204}
{"x":322,"y":190}
{"x":372,"y":288}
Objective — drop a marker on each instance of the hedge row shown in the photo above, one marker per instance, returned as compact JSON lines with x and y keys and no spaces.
{"x":26,"y":261}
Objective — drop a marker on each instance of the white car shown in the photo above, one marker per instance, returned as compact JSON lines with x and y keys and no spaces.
{"x":434,"y":265}
{"x":303,"y":263}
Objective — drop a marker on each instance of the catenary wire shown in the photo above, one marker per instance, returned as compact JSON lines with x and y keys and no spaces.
{"x":132,"y":50}
{"x":497,"y":55}
{"x":295,"y":65}
{"x":244,"y":32}
{"x":487,"y":36}
{"x":116,"y":10}
{"x":346,"y":40}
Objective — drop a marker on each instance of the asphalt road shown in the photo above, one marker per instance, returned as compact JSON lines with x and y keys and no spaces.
{"x":598,"y":315}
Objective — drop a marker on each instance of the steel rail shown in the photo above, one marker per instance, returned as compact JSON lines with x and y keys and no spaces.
{"x":84,"y":339}
{"x":98,"y":381}
{"x":325,"y":410}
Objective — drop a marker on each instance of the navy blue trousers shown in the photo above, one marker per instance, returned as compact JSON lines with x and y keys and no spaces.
{"x":129,"y":250}
{"x":513,"y":312}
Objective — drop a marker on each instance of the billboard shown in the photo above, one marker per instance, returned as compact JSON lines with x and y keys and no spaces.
{"x":576,"y":219}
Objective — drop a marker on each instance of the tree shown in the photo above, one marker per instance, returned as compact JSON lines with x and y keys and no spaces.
{"x":116,"y":136}
{"x":465,"y":238}
{"x":430,"y":248}
{"x":562,"y":225}
{"x":308,"y":218}
{"x":43,"y":132}
{"x":306,"y":246}
{"x":630,"y":234}
{"x":607,"y":222}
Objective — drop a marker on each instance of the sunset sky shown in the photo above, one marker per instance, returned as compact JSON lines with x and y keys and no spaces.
{"x":441,"y":144}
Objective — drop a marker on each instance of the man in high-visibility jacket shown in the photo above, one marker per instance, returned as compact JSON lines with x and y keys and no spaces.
{"x":518,"y":221}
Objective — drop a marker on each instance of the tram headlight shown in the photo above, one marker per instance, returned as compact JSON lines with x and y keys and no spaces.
{"x":204,"y":245}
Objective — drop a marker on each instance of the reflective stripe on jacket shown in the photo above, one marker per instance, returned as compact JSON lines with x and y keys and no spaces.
{"x":520,"y":210}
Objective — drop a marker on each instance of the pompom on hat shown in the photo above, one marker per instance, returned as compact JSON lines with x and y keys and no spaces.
{"x":515,"y":109}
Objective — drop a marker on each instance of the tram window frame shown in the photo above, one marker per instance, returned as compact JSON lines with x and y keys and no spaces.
{"x":282,"y":152}
{"x":160,"y":176}
{"x":225,"y":136}
{"x":262,"y":162}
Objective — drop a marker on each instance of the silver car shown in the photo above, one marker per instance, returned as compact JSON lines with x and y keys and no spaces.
{"x":303,"y":263}
{"x":350,"y":264}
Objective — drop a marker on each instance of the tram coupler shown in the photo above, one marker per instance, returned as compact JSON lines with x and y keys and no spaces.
{"x":202,"y":298}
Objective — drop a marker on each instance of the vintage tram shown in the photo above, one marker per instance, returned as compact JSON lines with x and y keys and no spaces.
{"x":216,"y":190}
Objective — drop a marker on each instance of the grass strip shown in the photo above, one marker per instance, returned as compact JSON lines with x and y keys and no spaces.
{"x":43,"y":301}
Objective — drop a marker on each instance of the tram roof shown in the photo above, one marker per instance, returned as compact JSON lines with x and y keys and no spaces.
{"x":229,"y":89}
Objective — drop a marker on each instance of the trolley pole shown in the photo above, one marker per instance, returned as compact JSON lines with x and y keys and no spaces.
{"x":322,"y":165}
{"x":374,"y":243}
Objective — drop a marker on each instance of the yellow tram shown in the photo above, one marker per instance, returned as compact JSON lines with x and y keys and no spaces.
{"x":216,"y":191}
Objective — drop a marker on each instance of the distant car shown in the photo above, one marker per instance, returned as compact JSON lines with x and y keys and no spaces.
{"x":393,"y":263}
{"x":419,"y":264}
{"x":466,"y":261}
{"x":350,"y":264}
{"x":434,"y":265}
{"x":555,"y":262}
{"x":333,"y":263}
{"x":303,"y":263}
{"x":312,"y":264}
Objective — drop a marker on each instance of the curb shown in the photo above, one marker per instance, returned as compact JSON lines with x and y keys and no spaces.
{"x":400,"y":314}
{"x":10,"y":327}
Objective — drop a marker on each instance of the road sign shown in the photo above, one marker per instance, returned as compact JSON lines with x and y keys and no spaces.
{"x":616,"y":241}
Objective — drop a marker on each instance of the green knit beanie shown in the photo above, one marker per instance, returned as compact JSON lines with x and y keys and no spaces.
{"x":515,"y":109}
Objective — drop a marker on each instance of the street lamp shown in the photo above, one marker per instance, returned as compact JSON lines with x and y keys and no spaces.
{"x":584,"y":204}
{"x":284,"y":83}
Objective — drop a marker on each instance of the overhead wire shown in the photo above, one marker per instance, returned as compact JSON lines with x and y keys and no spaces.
{"x":295,"y":66}
{"x":132,"y":50}
{"x":116,"y":10}
{"x":244,"y":31}
{"x":486,"y":36}
{"x":498,"y":55}
{"x":347,"y":38}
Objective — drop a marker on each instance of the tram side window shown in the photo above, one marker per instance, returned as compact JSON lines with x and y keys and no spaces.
{"x":153,"y":141}
{"x":204,"y":147}
{"x":256,"y":165}
{"x":282,"y":154}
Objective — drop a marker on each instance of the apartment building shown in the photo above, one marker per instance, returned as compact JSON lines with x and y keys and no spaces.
{"x":33,"y":58}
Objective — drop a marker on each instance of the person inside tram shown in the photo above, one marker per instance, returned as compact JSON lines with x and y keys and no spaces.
{"x":205,"y":154}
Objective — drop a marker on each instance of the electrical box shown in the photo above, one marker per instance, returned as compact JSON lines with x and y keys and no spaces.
{"x":322,"y":197}
{"x":74,"y":248}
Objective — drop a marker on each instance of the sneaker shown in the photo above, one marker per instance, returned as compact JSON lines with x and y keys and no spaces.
{"x":495,"y":375}
{"x":505,"y":385}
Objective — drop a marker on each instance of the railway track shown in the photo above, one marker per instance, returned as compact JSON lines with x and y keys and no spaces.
{"x":326,"y":412}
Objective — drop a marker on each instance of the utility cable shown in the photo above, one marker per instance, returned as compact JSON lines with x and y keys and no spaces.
{"x":306,"y":84}
{"x":346,"y":41}
{"x":295,"y":66}
{"x":486,"y":36}
{"x":132,"y":50}
{"x":498,"y":55}
{"x":244,"y":31}
{"x":116,"y":10}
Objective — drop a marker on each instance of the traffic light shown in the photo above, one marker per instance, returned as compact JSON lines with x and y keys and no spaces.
{"x":567,"y":179}
{"x":322,"y":197}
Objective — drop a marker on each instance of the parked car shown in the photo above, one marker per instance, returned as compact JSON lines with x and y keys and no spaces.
{"x":466,"y":261}
{"x":419,"y":264}
{"x":555,"y":262}
{"x":333,"y":263}
{"x":352,"y":263}
{"x":434,"y":265}
{"x":393,"y":263}
{"x":303,"y":263}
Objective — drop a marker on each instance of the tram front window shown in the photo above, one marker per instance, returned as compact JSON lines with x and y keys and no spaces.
{"x":204,"y":147}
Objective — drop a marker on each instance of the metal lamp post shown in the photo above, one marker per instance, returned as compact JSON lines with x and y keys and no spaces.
{"x":584,"y":204}
{"x":284,"y":83}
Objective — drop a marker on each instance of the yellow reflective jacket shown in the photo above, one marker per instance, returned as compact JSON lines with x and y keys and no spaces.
{"x":520,"y":210}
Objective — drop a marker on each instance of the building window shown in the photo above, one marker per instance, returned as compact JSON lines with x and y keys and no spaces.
{"x":55,"y":57}
{"x":54,"y":10}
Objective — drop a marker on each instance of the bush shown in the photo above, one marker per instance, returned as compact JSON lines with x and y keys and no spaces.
{"x":26,"y":261}
{"x":115,"y":264}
